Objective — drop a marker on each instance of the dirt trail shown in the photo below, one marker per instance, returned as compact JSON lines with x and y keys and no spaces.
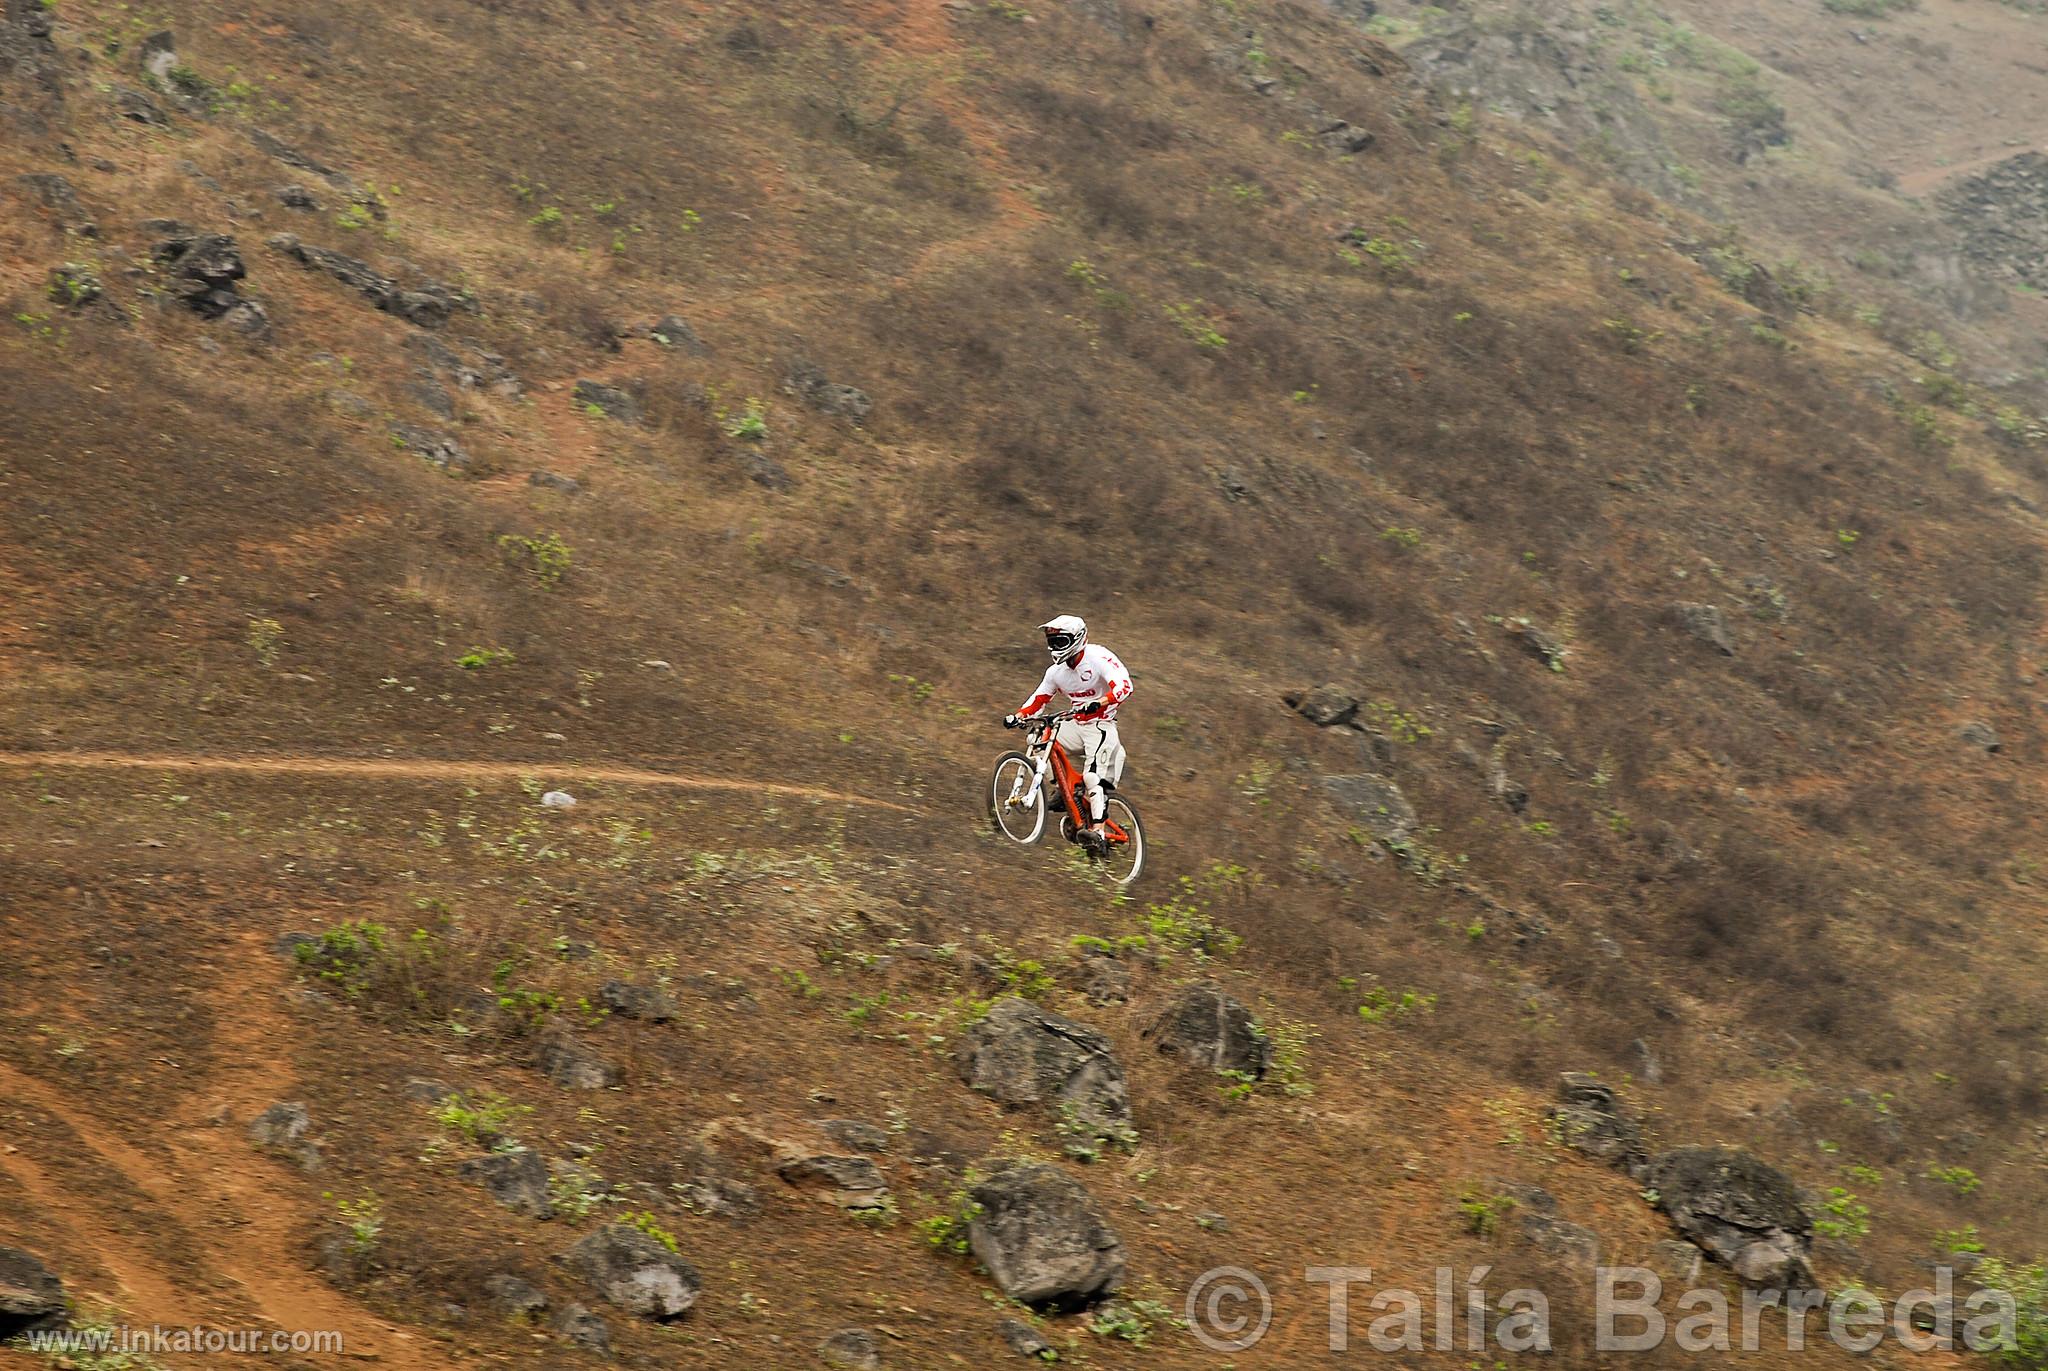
{"x":394,"y":768}
{"x":238,"y":1205}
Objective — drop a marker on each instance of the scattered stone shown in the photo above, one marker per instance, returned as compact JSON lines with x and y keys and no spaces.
{"x":1591,"y":1120}
{"x":1706,"y":623}
{"x":613,"y":402}
{"x":426,"y":1090}
{"x":629,"y":1001}
{"x":1346,"y":137}
{"x":1560,"y":1238}
{"x":517,"y":1179}
{"x":1325,"y":706}
{"x":1741,"y":1210}
{"x":673,"y":331}
{"x":549,"y":480}
{"x":573,"y":1066}
{"x":1023,"y":1339}
{"x":1208,"y":1028}
{"x":807,"y":381}
{"x":1538,"y":641}
{"x":1021,"y":1054}
{"x":60,"y":200}
{"x":1043,"y":1238}
{"x":851,"y":1349}
{"x":1376,"y":804}
{"x":282,"y":1128}
{"x":584,"y":1328}
{"x":635,"y":1271}
{"x":849,"y":1182}
{"x":140,"y":108}
{"x":296,"y":197}
{"x":437,"y":449}
{"x":31,"y":1295}
{"x":202,"y":270}
{"x":1981,"y":735}
{"x":861,"y":1137}
{"x":515,"y":1296}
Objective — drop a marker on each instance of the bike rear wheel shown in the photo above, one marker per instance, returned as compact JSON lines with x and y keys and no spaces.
{"x":1015,"y":804}
{"x":1126,"y":858}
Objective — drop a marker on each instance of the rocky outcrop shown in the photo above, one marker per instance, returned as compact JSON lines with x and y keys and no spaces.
{"x":1325,"y":706}
{"x":2002,"y":217}
{"x":1744,"y":1212}
{"x":848,"y":1182}
{"x":31,"y":1295}
{"x":609,"y":402}
{"x":58,"y":201}
{"x":1043,"y":1238}
{"x":636,"y":1272}
{"x":1592,"y":1120}
{"x":808,"y":382}
{"x":1375,"y":804}
{"x":574,"y":1066}
{"x":1706,"y":623}
{"x":673,"y":331}
{"x":1208,"y":1028}
{"x":203,"y":271}
{"x":436,"y":449}
{"x":517,"y":1179}
{"x":1021,"y":1054}
{"x":429,"y":304}
{"x":629,"y":1001}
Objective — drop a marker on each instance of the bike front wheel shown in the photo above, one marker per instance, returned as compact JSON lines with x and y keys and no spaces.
{"x":1125,"y":856}
{"x":1015,"y":803}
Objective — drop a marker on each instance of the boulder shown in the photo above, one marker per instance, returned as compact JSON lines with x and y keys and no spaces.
{"x":202,"y":270}
{"x":612,"y":402}
{"x":629,"y":1001}
{"x":584,"y":1328}
{"x":1375,"y":804}
{"x":516,"y":1296}
{"x":849,"y":1182}
{"x":1021,"y":1054}
{"x":572,"y":1065}
{"x":636,"y":1272}
{"x":296,"y":196}
{"x":1744,"y":1212}
{"x":851,"y":1349}
{"x":1206,"y":1027}
{"x":808,"y":382}
{"x":1043,"y":1238}
{"x":1706,"y":623}
{"x":517,"y":1179}
{"x":673,"y":331}
{"x":31,"y":1295}
{"x":435,"y":448}
{"x":139,"y":107}
{"x":1325,"y":706}
{"x":1591,"y":1120}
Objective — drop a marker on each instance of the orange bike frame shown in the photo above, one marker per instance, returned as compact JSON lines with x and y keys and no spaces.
{"x":1069,"y":781}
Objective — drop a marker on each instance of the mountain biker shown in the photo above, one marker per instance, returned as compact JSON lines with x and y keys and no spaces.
{"x":1095,"y":682}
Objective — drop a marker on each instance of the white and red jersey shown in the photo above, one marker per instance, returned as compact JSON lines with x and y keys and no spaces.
{"x":1097,"y":682}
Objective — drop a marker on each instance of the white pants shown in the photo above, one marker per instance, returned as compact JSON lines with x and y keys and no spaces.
{"x":1101,"y":755}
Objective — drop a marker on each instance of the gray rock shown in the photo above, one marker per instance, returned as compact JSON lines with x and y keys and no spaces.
{"x":76,"y":286}
{"x":1981,"y":735}
{"x":613,"y":402}
{"x":1741,"y":1210}
{"x":1591,"y":1120}
{"x":763,"y":470}
{"x":1375,"y":804}
{"x":851,"y":1349}
{"x":31,"y":1295}
{"x":296,"y":197}
{"x":273,"y":146}
{"x":282,"y":1128}
{"x":1325,"y":706}
{"x":549,"y":480}
{"x":1538,"y":641}
{"x":350,"y":405}
{"x":1043,"y":1238}
{"x":1560,"y":1238}
{"x":202,"y":271}
{"x":1105,"y":980}
{"x":248,"y":318}
{"x":584,"y":1328}
{"x":673,"y":331}
{"x":1706,"y":623}
{"x":429,"y":305}
{"x":849,"y":1182}
{"x":572,"y":1065}
{"x":1648,"y":1067}
{"x":718,"y":1197}
{"x":58,"y":199}
{"x":430,"y":396}
{"x":135,"y":105}
{"x":516,"y":1296}
{"x":629,"y":1001}
{"x":861,"y":1137}
{"x":1208,"y":1028}
{"x":1678,"y":1263}
{"x":1021,"y":1054}
{"x":807,"y":381}
{"x":436,"y":449}
{"x":635,"y":1271}
{"x":517,"y":1179}
{"x":1023,"y":1339}
{"x":287,"y":945}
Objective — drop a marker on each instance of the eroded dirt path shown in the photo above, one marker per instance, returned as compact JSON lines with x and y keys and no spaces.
{"x":394,"y":768}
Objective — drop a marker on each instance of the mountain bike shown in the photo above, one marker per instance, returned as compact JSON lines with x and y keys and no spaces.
{"x":1028,"y":785}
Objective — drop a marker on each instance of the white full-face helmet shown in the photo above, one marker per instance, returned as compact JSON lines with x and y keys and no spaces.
{"x":1064,"y":636}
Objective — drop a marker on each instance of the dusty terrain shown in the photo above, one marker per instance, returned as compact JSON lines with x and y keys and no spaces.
{"x":1213,"y":322}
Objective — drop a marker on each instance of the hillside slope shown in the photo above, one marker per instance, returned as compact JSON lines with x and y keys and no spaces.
{"x":613,"y":389}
